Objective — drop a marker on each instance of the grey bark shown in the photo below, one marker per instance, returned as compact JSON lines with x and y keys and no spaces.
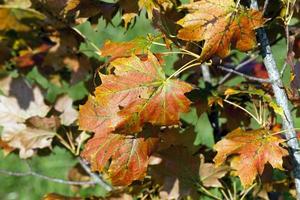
{"x":281,"y":99}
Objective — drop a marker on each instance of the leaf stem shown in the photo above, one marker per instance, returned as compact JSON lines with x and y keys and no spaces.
{"x":237,"y":68}
{"x":240,"y":107}
{"x":232,"y":71}
{"x":184,"y":66}
{"x":208,"y":193}
{"x":247,"y":191}
{"x":183,"y":69}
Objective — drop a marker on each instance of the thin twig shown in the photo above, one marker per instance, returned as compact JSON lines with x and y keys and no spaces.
{"x":265,"y":6}
{"x":247,"y":191}
{"x":261,"y":80}
{"x":95,"y":176}
{"x":56,"y":180}
{"x":237,"y":68}
{"x":206,"y":73}
{"x":208,"y":193}
{"x":240,"y":107}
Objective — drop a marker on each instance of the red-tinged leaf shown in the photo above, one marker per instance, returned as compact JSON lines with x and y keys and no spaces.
{"x":227,"y":26}
{"x":95,"y":117}
{"x":138,"y":92}
{"x":124,"y":49}
{"x":161,"y":108}
{"x":129,"y":156}
{"x":253,"y":149}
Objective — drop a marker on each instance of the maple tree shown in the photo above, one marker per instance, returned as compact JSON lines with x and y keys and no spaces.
{"x":152,"y":99}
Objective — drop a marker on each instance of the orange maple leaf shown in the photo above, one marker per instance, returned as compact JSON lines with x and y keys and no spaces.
{"x":98,"y":118}
{"x":253,"y":149}
{"x":221,"y":25}
{"x":138,"y":92}
{"x":129,"y":156}
{"x":125,"y":49}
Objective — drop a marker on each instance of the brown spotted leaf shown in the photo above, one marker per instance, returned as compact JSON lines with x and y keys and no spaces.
{"x":124,"y":49}
{"x":221,"y":25}
{"x":137,"y":93}
{"x":98,"y":118}
{"x":253,"y":149}
{"x":129,"y":156}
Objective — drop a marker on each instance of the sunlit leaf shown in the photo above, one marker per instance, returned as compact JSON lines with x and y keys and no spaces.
{"x":221,"y":25}
{"x":125,"y":49}
{"x":138,"y":92}
{"x":129,"y":156}
{"x":253,"y":149}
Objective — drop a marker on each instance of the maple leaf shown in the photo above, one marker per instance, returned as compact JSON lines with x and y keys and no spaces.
{"x":221,"y":25}
{"x":177,"y":172}
{"x":124,"y":49}
{"x":13,"y":118}
{"x":210,"y":175}
{"x":98,"y":118}
{"x":174,"y":137}
{"x":142,"y":90}
{"x":138,"y":92}
{"x":129,"y":156}
{"x":253,"y":149}
{"x":28,"y":139}
{"x":13,"y":18}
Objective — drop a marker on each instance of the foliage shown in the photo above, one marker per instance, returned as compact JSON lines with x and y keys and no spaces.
{"x":145,"y":99}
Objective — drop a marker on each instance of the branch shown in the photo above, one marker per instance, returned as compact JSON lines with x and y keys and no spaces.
{"x":265,"y":6}
{"x":95,"y":176}
{"x":281,"y":99}
{"x":96,"y":179}
{"x":56,"y":180}
{"x":206,"y":73}
{"x":261,"y":80}
{"x":237,"y":68}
